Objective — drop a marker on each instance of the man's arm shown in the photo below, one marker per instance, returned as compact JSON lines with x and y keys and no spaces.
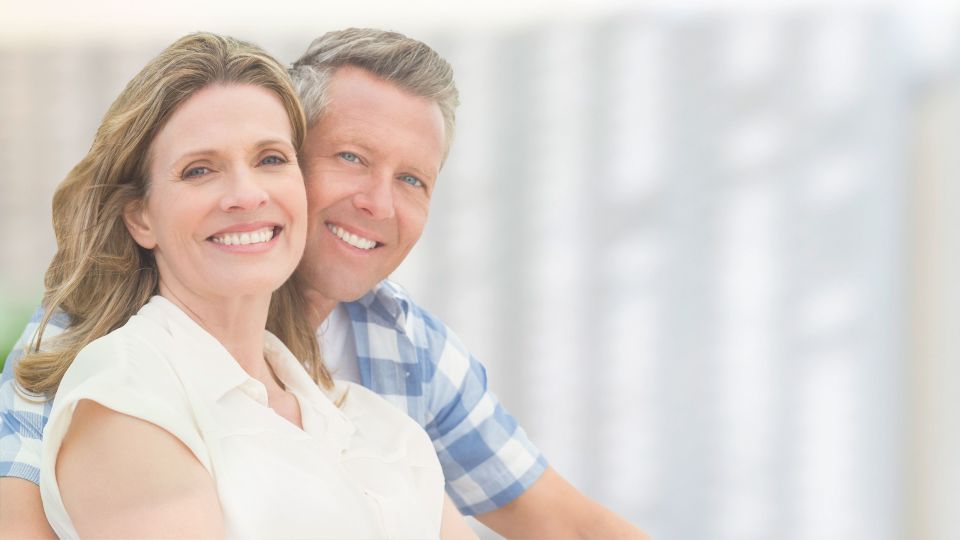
{"x":21,"y":512}
{"x":452,"y":525}
{"x":553,"y":508}
{"x":21,"y":426}
{"x":493,"y":471}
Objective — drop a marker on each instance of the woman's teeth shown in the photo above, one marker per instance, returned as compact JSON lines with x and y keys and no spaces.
{"x":245,"y":238}
{"x":352,"y":239}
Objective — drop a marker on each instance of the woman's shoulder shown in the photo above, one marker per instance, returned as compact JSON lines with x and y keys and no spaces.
{"x":131,"y":354}
{"x":138,"y":338}
{"x":129,"y":371}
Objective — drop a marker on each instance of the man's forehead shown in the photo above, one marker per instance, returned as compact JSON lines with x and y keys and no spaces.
{"x":344,"y":135}
{"x":352,"y":131}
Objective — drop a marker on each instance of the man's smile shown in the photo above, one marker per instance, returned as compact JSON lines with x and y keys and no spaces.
{"x":350,"y":238}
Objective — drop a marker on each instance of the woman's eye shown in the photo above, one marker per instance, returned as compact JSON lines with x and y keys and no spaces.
{"x":273,"y":160}
{"x":412,"y":180}
{"x":195,"y":172}
{"x":350,"y":156}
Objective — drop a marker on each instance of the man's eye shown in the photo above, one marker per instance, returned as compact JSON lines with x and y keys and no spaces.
{"x":273,"y":160}
{"x":412,"y":180}
{"x":350,"y":156}
{"x":195,"y":172}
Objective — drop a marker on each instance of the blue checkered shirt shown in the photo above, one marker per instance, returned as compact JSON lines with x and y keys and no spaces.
{"x":406,"y":355}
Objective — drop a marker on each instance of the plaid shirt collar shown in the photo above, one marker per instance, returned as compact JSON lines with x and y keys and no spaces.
{"x":388,"y":304}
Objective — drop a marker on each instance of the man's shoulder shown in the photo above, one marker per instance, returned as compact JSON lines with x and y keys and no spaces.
{"x":389,"y":305}
{"x":389,"y":325}
{"x":58,"y":322}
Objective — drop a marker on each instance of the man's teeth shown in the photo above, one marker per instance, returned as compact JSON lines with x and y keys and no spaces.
{"x":352,"y":239}
{"x":242,"y":239}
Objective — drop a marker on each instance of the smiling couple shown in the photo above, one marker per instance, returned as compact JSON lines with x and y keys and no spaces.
{"x":212,"y":206}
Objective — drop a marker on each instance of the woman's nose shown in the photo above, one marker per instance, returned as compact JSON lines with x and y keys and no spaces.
{"x":243,"y":192}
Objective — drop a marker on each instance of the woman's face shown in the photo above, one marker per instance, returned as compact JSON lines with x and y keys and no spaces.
{"x":225,"y":212}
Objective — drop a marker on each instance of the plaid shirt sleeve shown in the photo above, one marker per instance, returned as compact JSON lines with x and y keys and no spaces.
{"x":487,"y":459}
{"x":415,"y":361}
{"x":21,"y":418}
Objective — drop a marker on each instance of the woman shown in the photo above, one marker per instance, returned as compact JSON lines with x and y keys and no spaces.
{"x":176,"y":413}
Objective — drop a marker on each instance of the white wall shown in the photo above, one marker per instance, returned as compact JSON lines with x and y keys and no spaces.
{"x":700,"y":252}
{"x":933,"y":442}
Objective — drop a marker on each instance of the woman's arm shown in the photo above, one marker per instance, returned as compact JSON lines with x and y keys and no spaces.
{"x":123,"y":477}
{"x":452,"y":525}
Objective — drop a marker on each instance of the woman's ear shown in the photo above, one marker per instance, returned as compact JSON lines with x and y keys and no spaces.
{"x":138,"y":224}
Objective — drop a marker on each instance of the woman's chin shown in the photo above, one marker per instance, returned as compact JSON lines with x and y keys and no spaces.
{"x":248,"y":287}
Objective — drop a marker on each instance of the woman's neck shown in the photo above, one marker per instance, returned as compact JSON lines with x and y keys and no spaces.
{"x":236,"y":322}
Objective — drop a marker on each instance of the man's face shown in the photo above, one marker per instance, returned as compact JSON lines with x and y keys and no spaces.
{"x":370,"y":164}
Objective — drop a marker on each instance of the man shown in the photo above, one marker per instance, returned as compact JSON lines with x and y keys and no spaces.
{"x":380,"y":109}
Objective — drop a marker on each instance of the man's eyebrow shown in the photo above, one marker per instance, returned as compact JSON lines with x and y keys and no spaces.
{"x":421,"y":173}
{"x":355,"y":141}
{"x":351,"y":140}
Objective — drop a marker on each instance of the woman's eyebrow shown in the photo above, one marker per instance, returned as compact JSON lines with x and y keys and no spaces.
{"x":202,"y":152}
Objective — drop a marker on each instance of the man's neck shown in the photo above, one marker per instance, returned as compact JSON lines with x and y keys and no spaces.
{"x":319,"y":307}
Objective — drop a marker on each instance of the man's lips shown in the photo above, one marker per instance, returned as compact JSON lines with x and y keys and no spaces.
{"x":354,"y":240}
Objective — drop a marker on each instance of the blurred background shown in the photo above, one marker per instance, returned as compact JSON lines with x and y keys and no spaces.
{"x":707,"y":252}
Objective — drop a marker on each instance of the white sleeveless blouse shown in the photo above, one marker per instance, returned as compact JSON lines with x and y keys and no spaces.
{"x":365,"y":470}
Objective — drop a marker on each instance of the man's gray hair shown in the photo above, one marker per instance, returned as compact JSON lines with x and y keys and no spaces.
{"x":406,"y":62}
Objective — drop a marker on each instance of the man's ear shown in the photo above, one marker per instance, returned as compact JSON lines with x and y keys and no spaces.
{"x":138,"y":224}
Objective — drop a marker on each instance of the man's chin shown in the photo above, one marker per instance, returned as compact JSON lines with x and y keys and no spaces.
{"x":353,"y":296}
{"x":346,"y":292}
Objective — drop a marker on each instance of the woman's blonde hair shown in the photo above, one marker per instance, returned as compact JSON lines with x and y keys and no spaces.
{"x":99,"y":276}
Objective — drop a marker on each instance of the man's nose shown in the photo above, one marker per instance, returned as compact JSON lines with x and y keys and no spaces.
{"x":243,"y":192}
{"x":375,"y":197}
